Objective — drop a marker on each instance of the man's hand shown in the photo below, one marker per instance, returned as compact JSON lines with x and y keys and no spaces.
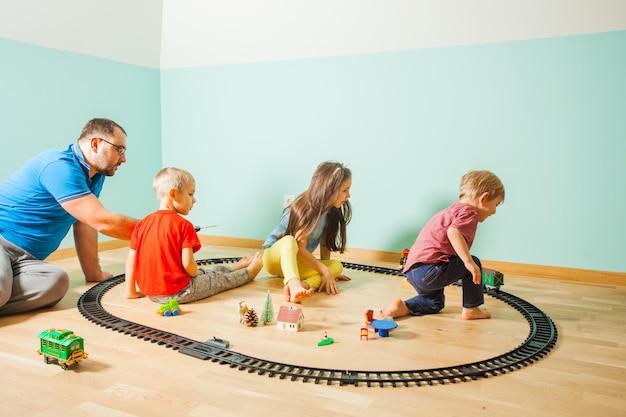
{"x":99,"y":278}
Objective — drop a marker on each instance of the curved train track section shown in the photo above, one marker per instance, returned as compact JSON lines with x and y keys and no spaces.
{"x":541,"y":339}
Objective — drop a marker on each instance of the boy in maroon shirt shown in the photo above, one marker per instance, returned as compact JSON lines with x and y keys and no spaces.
{"x":441,"y":256}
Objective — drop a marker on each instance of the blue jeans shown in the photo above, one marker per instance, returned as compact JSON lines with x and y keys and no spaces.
{"x":429,"y":280}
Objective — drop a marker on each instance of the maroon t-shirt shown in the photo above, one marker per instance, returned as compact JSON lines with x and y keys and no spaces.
{"x":432,"y":244}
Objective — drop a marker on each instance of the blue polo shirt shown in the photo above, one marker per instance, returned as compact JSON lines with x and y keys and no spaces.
{"x":31,"y":215}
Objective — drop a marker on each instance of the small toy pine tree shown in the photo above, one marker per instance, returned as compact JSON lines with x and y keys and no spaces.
{"x":267,"y":316}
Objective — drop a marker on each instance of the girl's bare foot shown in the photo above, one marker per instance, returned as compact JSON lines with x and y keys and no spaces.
{"x":396,"y":308}
{"x":475,"y":313}
{"x":255,"y":265}
{"x":295,"y":292}
{"x":287,"y":294}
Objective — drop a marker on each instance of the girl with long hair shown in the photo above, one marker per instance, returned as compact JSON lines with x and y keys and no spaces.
{"x":317,"y":217}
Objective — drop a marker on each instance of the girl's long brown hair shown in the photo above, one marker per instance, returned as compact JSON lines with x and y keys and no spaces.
{"x":308,"y":207}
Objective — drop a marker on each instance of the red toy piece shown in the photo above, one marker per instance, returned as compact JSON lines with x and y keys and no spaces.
{"x":405,"y":255}
{"x":365,"y":333}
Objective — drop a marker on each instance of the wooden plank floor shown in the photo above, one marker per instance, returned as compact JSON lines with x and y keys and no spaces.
{"x":584,"y":375}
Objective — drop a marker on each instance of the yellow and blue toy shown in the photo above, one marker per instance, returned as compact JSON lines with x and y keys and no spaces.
{"x":61,"y":346}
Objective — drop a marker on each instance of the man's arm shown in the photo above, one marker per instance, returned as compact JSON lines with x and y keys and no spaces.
{"x":90,"y":211}
{"x":92,"y":218}
{"x":86,"y":242}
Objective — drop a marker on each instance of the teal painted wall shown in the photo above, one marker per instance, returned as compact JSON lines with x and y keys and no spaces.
{"x":546,"y":115}
{"x":46,"y":96}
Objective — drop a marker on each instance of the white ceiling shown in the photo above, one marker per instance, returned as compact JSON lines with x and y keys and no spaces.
{"x":190,"y":33}
{"x":122,"y":30}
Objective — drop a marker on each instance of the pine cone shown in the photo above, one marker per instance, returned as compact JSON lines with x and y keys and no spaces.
{"x":250,"y":319}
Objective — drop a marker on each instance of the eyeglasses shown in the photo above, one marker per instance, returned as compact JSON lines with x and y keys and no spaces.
{"x":120,"y":149}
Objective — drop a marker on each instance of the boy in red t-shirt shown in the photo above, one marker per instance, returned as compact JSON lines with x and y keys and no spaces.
{"x":161,"y":262}
{"x":441,"y":256}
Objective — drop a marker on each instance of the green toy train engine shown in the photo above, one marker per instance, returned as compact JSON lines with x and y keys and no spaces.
{"x":492,"y":278}
{"x":62,"y":346}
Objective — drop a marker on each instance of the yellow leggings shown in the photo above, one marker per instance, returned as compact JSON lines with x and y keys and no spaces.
{"x":281,"y":259}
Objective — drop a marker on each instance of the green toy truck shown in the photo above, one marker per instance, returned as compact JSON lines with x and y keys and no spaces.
{"x":171,"y":308}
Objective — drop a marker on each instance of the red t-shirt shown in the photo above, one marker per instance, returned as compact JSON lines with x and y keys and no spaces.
{"x":159,"y":239}
{"x":432,"y":244}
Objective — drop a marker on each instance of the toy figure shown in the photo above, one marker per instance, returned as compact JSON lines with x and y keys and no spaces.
{"x":243,"y":309}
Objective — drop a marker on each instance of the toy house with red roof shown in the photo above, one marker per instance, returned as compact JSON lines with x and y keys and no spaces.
{"x":290,"y":318}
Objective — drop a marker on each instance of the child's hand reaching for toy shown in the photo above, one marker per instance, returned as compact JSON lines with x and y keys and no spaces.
{"x":475,"y":270}
{"x":330,"y":284}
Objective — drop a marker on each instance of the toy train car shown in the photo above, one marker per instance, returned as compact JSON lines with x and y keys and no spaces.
{"x":492,"y":278}
{"x":61,"y":346}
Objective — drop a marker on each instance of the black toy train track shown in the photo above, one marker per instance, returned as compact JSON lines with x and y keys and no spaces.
{"x":541,"y":339}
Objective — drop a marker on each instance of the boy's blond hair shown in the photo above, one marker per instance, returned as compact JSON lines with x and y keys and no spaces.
{"x":475,"y":183}
{"x":169,"y":178}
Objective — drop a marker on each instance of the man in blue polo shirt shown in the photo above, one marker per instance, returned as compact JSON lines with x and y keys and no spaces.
{"x":38,"y":204}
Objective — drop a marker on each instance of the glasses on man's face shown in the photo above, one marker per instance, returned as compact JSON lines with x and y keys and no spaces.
{"x":120,"y":149}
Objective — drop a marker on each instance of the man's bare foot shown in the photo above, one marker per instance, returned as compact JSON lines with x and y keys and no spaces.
{"x":475,"y":313}
{"x":397,"y":308}
{"x":255,"y":265}
{"x":295,"y":292}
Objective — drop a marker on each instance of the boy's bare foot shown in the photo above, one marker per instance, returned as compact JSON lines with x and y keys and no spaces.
{"x":295,"y":292}
{"x":475,"y":313}
{"x":255,"y":265}
{"x":396,"y":308}
{"x":242,"y":263}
